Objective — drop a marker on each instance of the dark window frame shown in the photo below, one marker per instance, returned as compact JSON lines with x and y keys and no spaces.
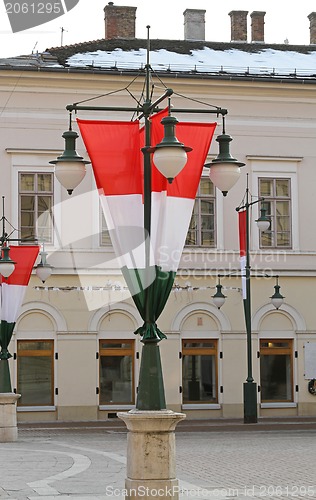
{"x":277,"y":347}
{"x":196,"y":240}
{"x":113,"y":349}
{"x":270,"y":203}
{"x":34,"y":232}
{"x":35,"y":353}
{"x":200,"y":347}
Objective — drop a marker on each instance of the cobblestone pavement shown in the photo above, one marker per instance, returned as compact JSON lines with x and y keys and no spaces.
{"x":213,"y":462}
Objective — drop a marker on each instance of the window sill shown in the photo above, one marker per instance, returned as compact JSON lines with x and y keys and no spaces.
{"x":278,"y":405}
{"x":36,"y":408}
{"x":200,"y":248}
{"x":201,"y":406}
{"x":116,"y":407}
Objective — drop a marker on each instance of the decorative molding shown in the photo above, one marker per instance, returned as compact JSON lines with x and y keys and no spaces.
{"x":127,"y":309}
{"x":274,"y":158}
{"x":21,"y":151}
{"x":201,"y":307}
{"x":50,"y":311}
{"x":290,"y":312}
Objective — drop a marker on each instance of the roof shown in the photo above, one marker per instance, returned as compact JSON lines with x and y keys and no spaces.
{"x":179,"y":56}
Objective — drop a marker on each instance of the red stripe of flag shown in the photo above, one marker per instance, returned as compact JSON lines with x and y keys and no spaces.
{"x":24,"y":257}
{"x":242,"y":232}
{"x":197,"y":136}
{"x":243,"y":245}
{"x":115,"y":151}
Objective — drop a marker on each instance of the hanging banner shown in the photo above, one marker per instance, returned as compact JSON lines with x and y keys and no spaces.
{"x":242,"y":220}
{"x":12,"y":291}
{"x":115,"y":152}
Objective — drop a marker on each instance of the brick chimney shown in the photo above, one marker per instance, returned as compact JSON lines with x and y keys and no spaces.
{"x":238,"y":25}
{"x":194,"y":24}
{"x":312,"y":27}
{"x":119,"y":21}
{"x":257,"y":26}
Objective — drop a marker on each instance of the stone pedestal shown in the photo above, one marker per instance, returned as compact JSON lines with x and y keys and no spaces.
{"x":151,"y":460}
{"x":8,"y":427}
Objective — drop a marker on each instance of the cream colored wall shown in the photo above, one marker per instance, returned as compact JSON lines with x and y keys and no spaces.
{"x":265,"y":119}
{"x":171,"y":369}
{"x":77,"y":367}
{"x":262,"y":118}
{"x":78,"y":379}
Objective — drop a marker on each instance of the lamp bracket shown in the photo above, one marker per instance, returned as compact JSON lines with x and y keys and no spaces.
{"x":249,"y":204}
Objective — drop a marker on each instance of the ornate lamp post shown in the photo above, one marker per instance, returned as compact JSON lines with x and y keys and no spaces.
{"x":263,"y":223}
{"x":151,"y":424}
{"x":250,"y":387}
{"x":169,"y":157}
{"x":14,"y":277}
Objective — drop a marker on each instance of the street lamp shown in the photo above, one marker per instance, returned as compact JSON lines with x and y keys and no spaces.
{"x":14,"y":272}
{"x":250,"y":387}
{"x":263,"y":223}
{"x":277,"y":298}
{"x":219,"y":298}
{"x":70,"y":168}
{"x":7,"y":265}
{"x":150,"y":283}
{"x":224,"y":169}
{"x":169,"y":157}
{"x":14,"y":278}
{"x":43,"y":270}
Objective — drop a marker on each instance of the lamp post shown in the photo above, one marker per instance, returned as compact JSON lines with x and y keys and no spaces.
{"x":151,"y":438}
{"x":14,"y":277}
{"x":11,"y":297}
{"x":250,"y":386}
{"x":169,"y":157}
{"x":263,"y":223}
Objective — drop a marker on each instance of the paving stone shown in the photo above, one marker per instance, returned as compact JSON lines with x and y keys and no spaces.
{"x":89,"y":463}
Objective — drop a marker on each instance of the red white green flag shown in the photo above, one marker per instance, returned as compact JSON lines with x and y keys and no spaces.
{"x":242,"y":243}
{"x":115,"y":152}
{"x":12,"y":292}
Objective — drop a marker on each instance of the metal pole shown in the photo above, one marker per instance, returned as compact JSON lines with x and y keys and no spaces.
{"x":250,"y":387}
{"x":5,"y":378}
{"x":151,"y":393}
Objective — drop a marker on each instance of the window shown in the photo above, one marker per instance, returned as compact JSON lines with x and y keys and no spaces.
{"x":35,"y":381}
{"x":276,"y":370}
{"x":202,"y":229}
{"x":35,"y":206}
{"x":277,"y":202}
{"x":116,"y":372}
{"x":199,"y":371}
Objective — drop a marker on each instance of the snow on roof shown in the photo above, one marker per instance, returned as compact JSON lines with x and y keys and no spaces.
{"x":205,"y":60}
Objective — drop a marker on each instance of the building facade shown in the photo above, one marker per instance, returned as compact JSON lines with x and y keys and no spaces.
{"x":76,"y":356}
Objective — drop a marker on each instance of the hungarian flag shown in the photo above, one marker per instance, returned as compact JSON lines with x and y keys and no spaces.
{"x":12,"y":292}
{"x":242,"y":243}
{"x":115,"y":152}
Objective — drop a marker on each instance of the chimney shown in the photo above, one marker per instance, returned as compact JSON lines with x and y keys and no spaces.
{"x":119,"y":21}
{"x":238,"y":25}
{"x":312,"y":28}
{"x":194,"y":24}
{"x":257,"y":26}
